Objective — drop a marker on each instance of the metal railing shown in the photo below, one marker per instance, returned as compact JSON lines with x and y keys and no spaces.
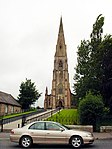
{"x":23,"y":117}
{"x":43,"y":116}
{"x":12,"y":119}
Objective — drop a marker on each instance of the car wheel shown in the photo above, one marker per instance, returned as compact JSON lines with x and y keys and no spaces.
{"x":76,"y":141}
{"x":26,"y":141}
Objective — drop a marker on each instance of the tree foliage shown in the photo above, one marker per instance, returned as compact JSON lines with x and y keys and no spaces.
{"x":28,"y":94}
{"x":87,"y":70}
{"x":107,"y":71}
{"x":90,"y":109}
{"x":94,"y":65}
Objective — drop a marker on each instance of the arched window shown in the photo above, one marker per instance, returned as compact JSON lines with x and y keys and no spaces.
{"x":60,"y":64}
{"x":61,"y":75}
{"x":60,"y":89}
{"x":60,"y":46}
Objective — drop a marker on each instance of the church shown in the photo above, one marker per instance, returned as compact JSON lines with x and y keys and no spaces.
{"x":60,"y":96}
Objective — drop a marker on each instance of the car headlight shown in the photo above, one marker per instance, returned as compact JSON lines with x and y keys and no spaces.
{"x":89,"y":135}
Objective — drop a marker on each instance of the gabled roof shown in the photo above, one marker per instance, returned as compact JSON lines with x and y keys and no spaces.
{"x":8,"y":99}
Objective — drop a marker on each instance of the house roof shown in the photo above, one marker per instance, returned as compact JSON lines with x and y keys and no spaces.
{"x":8,"y":99}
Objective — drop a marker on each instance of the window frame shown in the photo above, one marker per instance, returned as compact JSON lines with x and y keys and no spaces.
{"x":35,"y":127}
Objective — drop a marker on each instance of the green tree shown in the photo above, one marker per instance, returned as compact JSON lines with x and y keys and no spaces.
{"x":88,"y":69}
{"x":107,"y":71}
{"x":82,"y":70}
{"x":28,"y":94}
{"x":90,"y":110}
{"x":96,"y":55}
{"x":94,"y":68}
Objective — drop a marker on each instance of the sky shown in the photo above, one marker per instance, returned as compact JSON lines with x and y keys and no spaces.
{"x":28,"y":38}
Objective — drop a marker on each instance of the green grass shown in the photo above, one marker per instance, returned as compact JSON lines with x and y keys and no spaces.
{"x":65,"y":116}
{"x":16,"y":114}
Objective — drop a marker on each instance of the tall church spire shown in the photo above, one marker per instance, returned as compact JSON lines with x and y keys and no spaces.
{"x":60,"y":47}
{"x":60,"y":83}
{"x":60,"y":93}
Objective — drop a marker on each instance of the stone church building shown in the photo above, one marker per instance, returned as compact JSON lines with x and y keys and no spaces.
{"x":60,"y":94}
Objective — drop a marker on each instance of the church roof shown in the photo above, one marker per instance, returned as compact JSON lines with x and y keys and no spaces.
{"x":8,"y":99}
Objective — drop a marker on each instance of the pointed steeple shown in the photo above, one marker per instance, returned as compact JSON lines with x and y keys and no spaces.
{"x":46,"y":92}
{"x":61,"y":26}
{"x":60,"y":47}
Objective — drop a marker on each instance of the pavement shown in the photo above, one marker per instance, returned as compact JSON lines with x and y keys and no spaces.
{"x":102,"y":135}
{"x":97,"y":135}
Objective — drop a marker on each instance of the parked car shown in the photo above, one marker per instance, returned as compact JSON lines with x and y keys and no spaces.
{"x":49,"y":132}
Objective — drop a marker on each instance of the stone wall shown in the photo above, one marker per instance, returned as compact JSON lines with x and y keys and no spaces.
{"x":8,"y":109}
{"x":82,"y":127}
{"x":106,"y":129}
{"x":2,"y":109}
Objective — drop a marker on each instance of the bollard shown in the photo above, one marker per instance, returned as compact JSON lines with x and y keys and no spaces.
{"x":18,"y":125}
{"x":23,"y":120}
{"x":1,"y":123}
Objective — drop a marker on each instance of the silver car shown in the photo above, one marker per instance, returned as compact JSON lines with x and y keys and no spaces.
{"x":49,"y":132}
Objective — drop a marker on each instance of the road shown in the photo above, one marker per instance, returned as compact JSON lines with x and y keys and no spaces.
{"x":98,"y":144}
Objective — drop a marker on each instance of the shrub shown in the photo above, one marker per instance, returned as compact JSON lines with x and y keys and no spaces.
{"x":90,"y":110}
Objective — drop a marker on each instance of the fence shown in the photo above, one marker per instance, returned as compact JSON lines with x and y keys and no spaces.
{"x":43,"y":116}
{"x":23,"y":117}
{"x":67,"y":120}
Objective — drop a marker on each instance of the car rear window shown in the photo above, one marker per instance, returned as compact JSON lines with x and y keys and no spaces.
{"x":37,"y":126}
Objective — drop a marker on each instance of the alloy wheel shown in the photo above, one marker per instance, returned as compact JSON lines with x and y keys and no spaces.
{"x":26,"y":141}
{"x":76,"y":142}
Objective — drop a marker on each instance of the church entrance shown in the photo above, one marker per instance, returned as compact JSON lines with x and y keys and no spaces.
{"x":60,"y":104}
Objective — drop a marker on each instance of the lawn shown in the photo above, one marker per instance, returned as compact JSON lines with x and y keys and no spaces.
{"x":16,"y":114}
{"x":65,"y":116}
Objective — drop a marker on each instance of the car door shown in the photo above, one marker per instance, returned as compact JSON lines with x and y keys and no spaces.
{"x":55,"y":134}
{"x":37,"y":132}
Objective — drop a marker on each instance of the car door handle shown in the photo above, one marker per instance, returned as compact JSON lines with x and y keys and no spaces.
{"x":48,"y":133}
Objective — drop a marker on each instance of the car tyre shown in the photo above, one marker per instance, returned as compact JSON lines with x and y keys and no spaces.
{"x":26,"y":141}
{"x":76,"y":141}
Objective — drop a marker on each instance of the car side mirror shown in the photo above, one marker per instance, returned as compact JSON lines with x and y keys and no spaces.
{"x":61,"y":129}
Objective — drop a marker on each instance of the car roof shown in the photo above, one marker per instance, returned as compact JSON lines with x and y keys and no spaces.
{"x":29,"y":124}
{"x":45,"y":121}
{"x":42,"y":121}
